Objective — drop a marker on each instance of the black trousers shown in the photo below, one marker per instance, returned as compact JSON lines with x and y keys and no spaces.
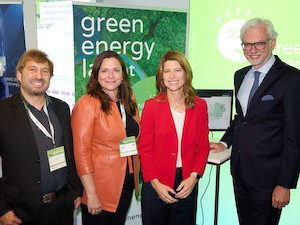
{"x":253,"y":203}
{"x":157,"y":212}
{"x":110,"y":218}
{"x":54,"y":213}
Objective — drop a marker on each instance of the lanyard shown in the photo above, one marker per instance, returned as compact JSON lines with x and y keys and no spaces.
{"x":123,"y":114}
{"x":40,"y":125}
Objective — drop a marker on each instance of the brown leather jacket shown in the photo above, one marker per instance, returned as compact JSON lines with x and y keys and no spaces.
{"x":96,"y":138}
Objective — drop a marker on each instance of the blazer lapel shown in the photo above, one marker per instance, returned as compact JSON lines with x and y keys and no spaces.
{"x":23,"y":119}
{"x":270,"y":78}
{"x":60,"y":117}
{"x":238,"y":79}
{"x":63,"y":121}
{"x":167,"y":109}
{"x":187,"y":119}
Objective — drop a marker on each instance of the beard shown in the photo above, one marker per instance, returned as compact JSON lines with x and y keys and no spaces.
{"x":35,"y":90}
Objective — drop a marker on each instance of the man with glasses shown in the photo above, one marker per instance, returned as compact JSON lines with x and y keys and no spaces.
{"x":265,"y":132}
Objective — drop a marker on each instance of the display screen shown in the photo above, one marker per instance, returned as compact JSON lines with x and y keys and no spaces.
{"x":219,"y":103}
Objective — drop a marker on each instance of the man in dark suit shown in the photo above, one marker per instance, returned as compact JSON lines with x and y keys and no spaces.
{"x":39,"y":184}
{"x":265,"y":133}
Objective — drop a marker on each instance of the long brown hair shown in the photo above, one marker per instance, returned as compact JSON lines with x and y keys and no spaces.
{"x":188,"y":90}
{"x":125,"y":92}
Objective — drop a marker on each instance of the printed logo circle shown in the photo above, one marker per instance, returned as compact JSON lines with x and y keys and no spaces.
{"x":229,"y":42}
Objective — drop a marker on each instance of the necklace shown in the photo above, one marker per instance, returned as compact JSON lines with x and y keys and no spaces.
{"x":178,"y":106}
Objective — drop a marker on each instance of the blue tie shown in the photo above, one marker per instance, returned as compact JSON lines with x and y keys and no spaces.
{"x":254,"y":87}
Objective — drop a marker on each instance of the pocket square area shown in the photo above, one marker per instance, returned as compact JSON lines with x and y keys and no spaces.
{"x":267,"y":98}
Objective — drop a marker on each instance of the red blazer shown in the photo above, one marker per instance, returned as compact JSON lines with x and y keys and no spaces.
{"x":158,"y":143}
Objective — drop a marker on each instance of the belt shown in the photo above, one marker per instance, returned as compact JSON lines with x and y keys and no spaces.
{"x":51,"y":196}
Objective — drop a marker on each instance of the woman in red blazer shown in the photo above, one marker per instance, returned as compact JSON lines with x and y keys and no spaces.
{"x":173,"y":145}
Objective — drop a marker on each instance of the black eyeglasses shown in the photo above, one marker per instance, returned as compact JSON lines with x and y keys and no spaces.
{"x":258,"y":45}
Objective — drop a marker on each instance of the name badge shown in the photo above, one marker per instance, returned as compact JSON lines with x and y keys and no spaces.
{"x":128,"y":146}
{"x":56,"y":158}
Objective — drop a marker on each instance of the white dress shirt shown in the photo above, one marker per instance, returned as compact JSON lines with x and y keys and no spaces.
{"x":244,"y":91}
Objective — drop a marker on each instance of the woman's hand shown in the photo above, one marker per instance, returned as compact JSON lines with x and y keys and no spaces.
{"x":93,"y":204}
{"x":163,"y":191}
{"x":186,"y":187}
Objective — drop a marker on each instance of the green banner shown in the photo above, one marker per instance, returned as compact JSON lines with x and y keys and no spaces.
{"x":140,"y":36}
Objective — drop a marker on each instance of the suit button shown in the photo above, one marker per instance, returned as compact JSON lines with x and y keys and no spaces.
{"x":38,"y":182}
{"x":244,"y":123}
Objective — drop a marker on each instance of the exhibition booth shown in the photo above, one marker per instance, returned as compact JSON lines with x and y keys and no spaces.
{"x":207,"y":32}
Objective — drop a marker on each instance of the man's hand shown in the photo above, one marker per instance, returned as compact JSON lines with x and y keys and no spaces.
{"x":77,"y":202}
{"x":280,"y":197}
{"x":10,"y":218}
{"x":216,"y":147}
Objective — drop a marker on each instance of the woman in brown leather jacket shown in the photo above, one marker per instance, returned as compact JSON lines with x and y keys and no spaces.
{"x":103,"y":120}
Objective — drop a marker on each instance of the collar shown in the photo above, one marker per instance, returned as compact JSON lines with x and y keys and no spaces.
{"x":49,"y":102}
{"x":265,"y":68}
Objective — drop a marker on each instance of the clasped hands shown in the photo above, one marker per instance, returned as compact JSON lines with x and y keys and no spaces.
{"x":169,"y":195}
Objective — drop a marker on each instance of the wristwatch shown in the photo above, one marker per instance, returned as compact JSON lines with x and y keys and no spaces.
{"x":197,"y":175}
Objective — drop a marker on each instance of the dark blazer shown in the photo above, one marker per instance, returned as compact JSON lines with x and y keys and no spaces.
{"x":20,"y":184}
{"x":267,"y":139}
